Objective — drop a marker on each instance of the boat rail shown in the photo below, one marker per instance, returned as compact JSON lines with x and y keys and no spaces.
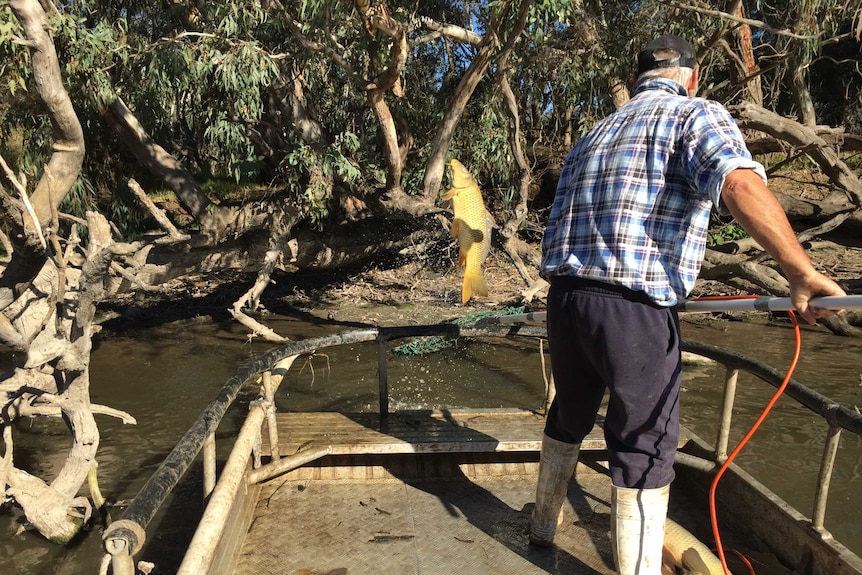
{"x":124,"y":538}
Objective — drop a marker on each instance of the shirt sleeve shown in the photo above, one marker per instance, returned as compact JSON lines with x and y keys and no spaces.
{"x":715,"y":148}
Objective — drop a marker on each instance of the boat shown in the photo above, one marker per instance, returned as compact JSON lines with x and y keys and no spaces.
{"x":449,"y":490}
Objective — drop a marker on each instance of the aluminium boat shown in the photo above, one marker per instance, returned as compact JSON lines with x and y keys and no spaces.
{"x":450,"y":490}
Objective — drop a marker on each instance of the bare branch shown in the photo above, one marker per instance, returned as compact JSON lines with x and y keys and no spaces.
{"x":752,"y":117}
{"x":456,"y":33}
{"x":233,"y":43}
{"x":21,"y":187}
{"x":133,"y":279}
{"x":158,"y":215}
{"x":725,"y":16}
{"x":55,"y":411}
{"x":251,"y":297}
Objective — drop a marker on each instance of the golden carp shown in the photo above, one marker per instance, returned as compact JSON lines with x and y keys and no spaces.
{"x":472,"y":226}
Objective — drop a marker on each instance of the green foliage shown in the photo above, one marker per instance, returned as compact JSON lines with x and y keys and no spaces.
{"x":214,"y":83}
{"x":489,"y":158}
{"x":308,"y":173}
{"x":722,"y":233}
{"x":13,"y":68}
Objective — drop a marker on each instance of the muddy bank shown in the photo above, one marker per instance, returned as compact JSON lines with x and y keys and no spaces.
{"x":363,"y":295}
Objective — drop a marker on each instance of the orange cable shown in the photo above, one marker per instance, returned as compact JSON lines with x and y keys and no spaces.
{"x":766,"y":410}
{"x":741,"y":557}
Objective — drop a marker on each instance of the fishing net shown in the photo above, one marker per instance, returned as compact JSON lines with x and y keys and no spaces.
{"x":435,"y":343}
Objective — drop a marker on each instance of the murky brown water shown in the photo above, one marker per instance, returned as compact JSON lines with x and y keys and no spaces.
{"x":164,"y":376}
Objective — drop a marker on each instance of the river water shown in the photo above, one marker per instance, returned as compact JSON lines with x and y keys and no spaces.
{"x":165,"y":375}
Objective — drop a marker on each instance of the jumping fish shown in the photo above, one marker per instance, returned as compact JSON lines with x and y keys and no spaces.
{"x":472,"y":226}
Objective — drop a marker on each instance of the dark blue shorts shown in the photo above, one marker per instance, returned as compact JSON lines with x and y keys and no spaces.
{"x":609,"y":337}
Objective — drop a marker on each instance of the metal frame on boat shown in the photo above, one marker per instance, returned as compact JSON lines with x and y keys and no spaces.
{"x":482,"y":447}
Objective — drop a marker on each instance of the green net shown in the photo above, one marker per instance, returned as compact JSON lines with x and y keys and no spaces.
{"x":435,"y":343}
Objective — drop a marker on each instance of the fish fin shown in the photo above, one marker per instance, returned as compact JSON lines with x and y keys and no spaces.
{"x":456,"y":226}
{"x":473,"y":285}
{"x":449,"y":194}
{"x":462,"y":259}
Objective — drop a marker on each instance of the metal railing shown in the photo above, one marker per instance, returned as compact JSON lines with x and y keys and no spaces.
{"x":124,"y":538}
{"x":836,"y":416}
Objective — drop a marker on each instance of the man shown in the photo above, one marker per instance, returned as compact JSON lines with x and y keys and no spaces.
{"x":623,"y":245}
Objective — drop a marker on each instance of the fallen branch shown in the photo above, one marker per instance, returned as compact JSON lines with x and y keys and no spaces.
{"x":752,"y":117}
{"x":158,"y":214}
{"x":252,"y":297}
{"x":29,"y":410}
{"x":532,"y":291}
{"x":824,"y":227}
{"x":754,"y":278}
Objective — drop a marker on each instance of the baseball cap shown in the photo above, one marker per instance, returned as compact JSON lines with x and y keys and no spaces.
{"x":687,"y":56}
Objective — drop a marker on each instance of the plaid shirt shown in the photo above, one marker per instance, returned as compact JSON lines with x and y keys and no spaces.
{"x":634,"y":197}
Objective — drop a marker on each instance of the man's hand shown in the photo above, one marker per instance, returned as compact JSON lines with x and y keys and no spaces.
{"x":802,"y":290}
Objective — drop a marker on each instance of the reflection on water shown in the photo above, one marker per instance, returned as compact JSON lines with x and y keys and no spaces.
{"x":164,"y":376}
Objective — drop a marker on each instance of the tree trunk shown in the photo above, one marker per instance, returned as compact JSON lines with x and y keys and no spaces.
{"x":804,"y":138}
{"x":436,"y":163}
{"x":510,"y":105}
{"x":304,"y":121}
{"x":619,"y":92}
{"x":376,"y":17}
{"x":590,"y":25}
{"x":748,"y":72}
{"x":215,"y":221}
{"x":49,"y":319}
{"x":68,"y":137}
{"x":797,"y":66}
{"x":798,"y":72}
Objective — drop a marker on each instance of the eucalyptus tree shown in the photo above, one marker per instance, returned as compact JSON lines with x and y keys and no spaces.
{"x":48,"y":294}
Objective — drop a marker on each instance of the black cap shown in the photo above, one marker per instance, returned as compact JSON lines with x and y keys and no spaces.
{"x":687,"y":56}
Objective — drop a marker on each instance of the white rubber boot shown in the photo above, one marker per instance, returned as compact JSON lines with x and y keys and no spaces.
{"x":637,"y":529}
{"x":556,"y":467}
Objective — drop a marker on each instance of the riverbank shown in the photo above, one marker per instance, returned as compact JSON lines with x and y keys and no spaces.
{"x":387,"y":292}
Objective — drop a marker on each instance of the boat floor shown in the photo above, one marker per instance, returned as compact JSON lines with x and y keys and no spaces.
{"x":425,"y":494}
{"x":476,"y":525}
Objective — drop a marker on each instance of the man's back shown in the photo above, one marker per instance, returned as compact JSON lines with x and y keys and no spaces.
{"x":634,"y":197}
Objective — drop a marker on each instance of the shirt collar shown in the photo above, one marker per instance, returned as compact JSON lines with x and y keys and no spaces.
{"x":665,"y":84}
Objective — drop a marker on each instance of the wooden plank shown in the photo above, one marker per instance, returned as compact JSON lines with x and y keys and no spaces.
{"x":417,"y":432}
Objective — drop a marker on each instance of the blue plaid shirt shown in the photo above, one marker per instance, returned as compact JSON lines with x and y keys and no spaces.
{"x":634,"y":197}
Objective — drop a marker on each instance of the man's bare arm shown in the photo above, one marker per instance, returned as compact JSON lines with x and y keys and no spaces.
{"x":755,"y":208}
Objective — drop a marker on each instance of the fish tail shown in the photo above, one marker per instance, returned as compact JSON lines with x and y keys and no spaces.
{"x":474,"y":284}
{"x":682,"y":549}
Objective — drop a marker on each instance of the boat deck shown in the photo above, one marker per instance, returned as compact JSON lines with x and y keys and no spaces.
{"x":475,"y":526}
{"x":424,"y":493}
